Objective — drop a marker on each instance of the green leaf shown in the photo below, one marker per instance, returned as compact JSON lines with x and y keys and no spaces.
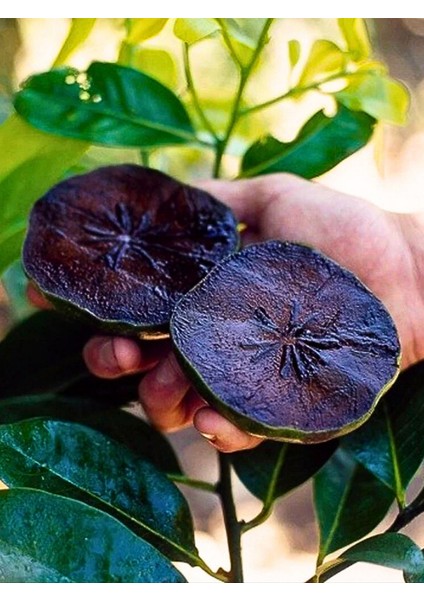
{"x":15,"y":284}
{"x":32,"y":162}
{"x":152,"y":61}
{"x":80,"y":410}
{"x":109,"y":104}
{"x":78,"y":33}
{"x":294,"y":52}
{"x":356,"y":37}
{"x":377,"y":95}
{"x":102,"y":413}
{"x":67,"y":457}
{"x":393,"y":550}
{"x":49,"y":539}
{"x":349,"y":502}
{"x":137,"y":436}
{"x":191,"y":31}
{"x":273,"y":469}
{"x":391,"y":444}
{"x":139,"y":30}
{"x":42,"y":354}
{"x":320,"y":145}
{"x":325,"y":59}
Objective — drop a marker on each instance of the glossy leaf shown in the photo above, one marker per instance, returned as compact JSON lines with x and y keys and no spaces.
{"x":191,"y":31}
{"x":393,"y":550}
{"x":45,"y":538}
{"x":78,"y":33}
{"x":356,"y":37}
{"x":101,"y":413}
{"x":273,"y":469}
{"x":325,"y":58}
{"x":320,"y":145}
{"x":140,"y":30}
{"x":109,"y":104}
{"x":377,"y":95}
{"x":391,"y":444}
{"x":42,"y":354}
{"x":349,"y":502}
{"x":33,"y":162}
{"x":56,"y":456}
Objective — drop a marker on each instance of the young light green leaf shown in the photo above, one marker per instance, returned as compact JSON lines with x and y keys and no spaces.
{"x":191,"y":31}
{"x":325,"y":59}
{"x":376,"y":94}
{"x":11,"y":239}
{"x":273,"y":469}
{"x":319,"y":146}
{"x":391,"y":444}
{"x":153,"y":61}
{"x":34,"y":357}
{"x":349,"y":502}
{"x":91,"y":467}
{"x":78,"y":33}
{"x":294,"y":52}
{"x":241,"y":36}
{"x":45,"y":538}
{"x":356,"y":37}
{"x":109,"y":104}
{"x":139,"y":30}
{"x":33,"y":162}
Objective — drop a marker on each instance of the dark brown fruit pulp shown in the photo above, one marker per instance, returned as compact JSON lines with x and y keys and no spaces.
{"x":286,"y":343}
{"x":123,"y":243}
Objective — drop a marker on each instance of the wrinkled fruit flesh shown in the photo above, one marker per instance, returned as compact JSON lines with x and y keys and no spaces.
{"x":122,"y":244}
{"x":286,"y":343}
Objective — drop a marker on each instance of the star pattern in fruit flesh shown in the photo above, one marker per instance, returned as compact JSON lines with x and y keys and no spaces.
{"x":142,"y":239}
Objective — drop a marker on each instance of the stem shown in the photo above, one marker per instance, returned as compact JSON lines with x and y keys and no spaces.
{"x":297,"y":90}
{"x":191,"y":88}
{"x":409,"y":513}
{"x":228,"y":43}
{"x":232,"y":525}
{"x":245,"y":73}
{"x":194,"y":483}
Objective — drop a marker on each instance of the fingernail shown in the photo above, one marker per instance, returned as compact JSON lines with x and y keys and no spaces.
{"x":208,"y":436}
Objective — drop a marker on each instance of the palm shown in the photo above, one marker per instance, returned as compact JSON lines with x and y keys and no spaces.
{"x":368,"y":241}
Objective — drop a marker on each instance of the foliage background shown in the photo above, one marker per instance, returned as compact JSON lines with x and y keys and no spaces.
{"x":388,"y":172}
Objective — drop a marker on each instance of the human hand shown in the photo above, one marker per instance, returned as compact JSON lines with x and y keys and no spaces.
{"x":385,"y":250}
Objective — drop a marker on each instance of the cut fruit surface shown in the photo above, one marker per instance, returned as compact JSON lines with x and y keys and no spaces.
{"x":286,"y":343}
{"x":122,"y":244}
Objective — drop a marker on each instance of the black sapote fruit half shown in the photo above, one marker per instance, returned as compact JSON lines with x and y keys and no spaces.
{"x":286,"y":343}
{"x":122,"y":244}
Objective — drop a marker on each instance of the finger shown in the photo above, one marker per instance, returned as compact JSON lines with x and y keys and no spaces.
{"x":111,"y":357}
{"x":36,"y":298}
{"x":166,"y":396}
{"x":222,"y":434}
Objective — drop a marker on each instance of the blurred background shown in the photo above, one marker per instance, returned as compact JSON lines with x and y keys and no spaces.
{"x":388,"y":172}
